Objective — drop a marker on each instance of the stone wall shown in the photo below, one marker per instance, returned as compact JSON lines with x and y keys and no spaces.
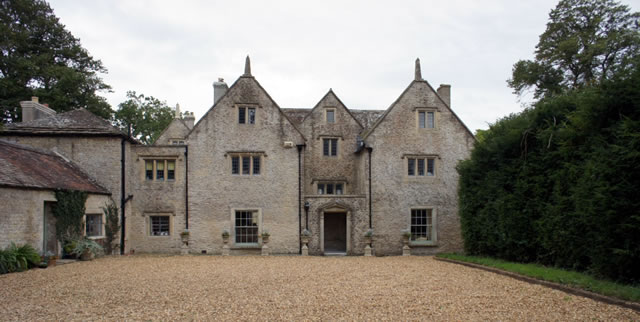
{"x":395,"y":193}
{"x":215,"y":193}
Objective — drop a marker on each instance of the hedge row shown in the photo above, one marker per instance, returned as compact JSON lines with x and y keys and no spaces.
{"x":559,"y":183}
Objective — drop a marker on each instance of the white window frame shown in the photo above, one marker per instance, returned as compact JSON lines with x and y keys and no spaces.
{"x":257,"y":212}
{"x":434,"y":226}
{"x":150,"y":222}
{"x":102,"y":218}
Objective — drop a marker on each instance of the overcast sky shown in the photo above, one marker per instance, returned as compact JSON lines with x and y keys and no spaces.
{"x":363,"y":50}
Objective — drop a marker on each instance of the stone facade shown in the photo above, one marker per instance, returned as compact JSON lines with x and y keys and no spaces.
{"x":248,"y":167}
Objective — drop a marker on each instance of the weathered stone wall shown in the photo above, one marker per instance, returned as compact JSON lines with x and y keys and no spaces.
{"x":152,"y":198}
{"x":177,"y":130}
{"x":22,"y":215}
{"x":395,"y":193}
{"x":98,"y":156}
{"x":214,"y":193}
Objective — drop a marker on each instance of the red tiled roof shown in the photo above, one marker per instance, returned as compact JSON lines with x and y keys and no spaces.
{"x":26,"y":167}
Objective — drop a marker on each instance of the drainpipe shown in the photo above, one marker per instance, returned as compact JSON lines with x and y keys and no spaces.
{"x":122,"y":193}
{"x":186,"y":186}
{"x":300,"y":147}
{"x":369,"y":149}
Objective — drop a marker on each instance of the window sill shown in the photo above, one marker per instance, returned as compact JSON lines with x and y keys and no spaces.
{"x":160,"y":236}
{"x":423,"y":244}
{"x":246,"y":246}
{"x":95,"y":237}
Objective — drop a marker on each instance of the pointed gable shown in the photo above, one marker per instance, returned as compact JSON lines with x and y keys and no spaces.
{"x":331,"y":101}
{"x":177,"y":129}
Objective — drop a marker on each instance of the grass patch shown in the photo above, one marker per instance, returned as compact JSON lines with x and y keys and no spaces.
{"x":556,"y":275}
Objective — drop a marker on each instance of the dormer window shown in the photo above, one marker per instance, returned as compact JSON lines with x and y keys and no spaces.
{"x":330,"y":115}
{"x":426,"y":119}
{"x":246,"y":115}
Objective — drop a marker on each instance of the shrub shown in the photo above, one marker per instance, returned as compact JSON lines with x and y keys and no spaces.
{"x":87,"y":244}
{"x":17,"y":259}
{"x":111,"y":227}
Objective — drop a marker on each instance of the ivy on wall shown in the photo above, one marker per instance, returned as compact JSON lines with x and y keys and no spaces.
{"x":111,"y":227}
{"x":68,"y":212}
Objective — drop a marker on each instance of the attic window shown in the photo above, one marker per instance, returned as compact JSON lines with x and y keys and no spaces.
{"x":246,"y":115}
{"x":330,"y":115}
{"x":426,"y":119}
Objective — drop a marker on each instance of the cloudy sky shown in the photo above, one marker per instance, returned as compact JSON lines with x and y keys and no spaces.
{"x":363,"y":50}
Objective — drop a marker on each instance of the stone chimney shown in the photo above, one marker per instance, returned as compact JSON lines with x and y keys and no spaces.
{"x":189,"y":119}
{"x":219,"y":89}
{"x":33,"y":110}
{"x":445,"y":93}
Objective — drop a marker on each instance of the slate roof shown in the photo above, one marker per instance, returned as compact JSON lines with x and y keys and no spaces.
{"x":79,"y":121}
{"x":365,"y":117}
{"x":27,"y":167}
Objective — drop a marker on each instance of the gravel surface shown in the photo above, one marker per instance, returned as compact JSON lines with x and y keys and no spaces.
{"x":284,"y":288}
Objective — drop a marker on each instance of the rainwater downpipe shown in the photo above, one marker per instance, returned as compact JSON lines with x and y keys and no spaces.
{"x":186,"y":186}
{"x":369,"y":149}
{"x":122,"y":194}
{"x":300,"y":147}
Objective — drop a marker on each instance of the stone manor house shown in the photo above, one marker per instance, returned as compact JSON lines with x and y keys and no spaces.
{"x":247,"y":166}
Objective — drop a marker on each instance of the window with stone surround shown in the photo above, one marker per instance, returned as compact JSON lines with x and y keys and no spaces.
{"x":93,"y":225}
{"x":421,"y":166}
{"x":330,"y":147}
{"x":160,"y":170}
{"x":246,"y":115}
{"x":246,"y":227}
{"x":160,"y":225}
{"x":330,"y":188}
{"x":426,"y":118}
{"x":246,"y":164}
{"x":330,"y":115}
{"x":423,"y":230}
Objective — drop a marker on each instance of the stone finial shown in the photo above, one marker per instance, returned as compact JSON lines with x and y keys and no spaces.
{"x":177,"y":111}
{"x":418,"y":71}
{"x":247,"y":67}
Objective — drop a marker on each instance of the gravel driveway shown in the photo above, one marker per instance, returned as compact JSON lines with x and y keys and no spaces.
{"x":284,"y":288}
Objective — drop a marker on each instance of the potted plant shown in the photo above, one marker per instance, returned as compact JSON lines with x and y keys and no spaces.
{"x":406,"y":236}
{"x":368,"y":236}
{"x":225,"y":236}
{"x":306,"y":236}
{"x":265,"y":236}
{"x":87,"y":249}
{"x":184,"y":235}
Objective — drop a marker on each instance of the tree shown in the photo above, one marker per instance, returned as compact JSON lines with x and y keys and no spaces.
{"x":41,"y":58}
{"x":111,"y":226}
{"x":147,"y":116}
{"x":585,"y":43}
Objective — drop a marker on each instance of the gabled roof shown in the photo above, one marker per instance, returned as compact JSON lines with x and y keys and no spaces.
{"x":74,"y":122}
{"x":27,"y":167}
{"x":174,"y":121}
{"x":330,"y":92}
{"x":366,"y":133}
{"x":245,"y":76}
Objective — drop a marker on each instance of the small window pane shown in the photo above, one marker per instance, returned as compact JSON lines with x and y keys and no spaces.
{"x":411,"y":166}
{"x":160,"y":170}
{"x":325,"y":146}
{"x":431,"y":120}
{"x":171,"y":170}
{"x":320,"y":188}
{"x":256,"y":165}
{"x":235,"y":165}
{"x":338,"y":188}
{"x":94,"y":225}
{"x":431,"y":171}
{"x":246,"y":165}
{"x":420,"y":167}
{"x":148,"y":169}
{"x":160,"y":225}
{"x":329,"y":188}
{"x":421,"y":119}
{"x":241,"y":115}
{"x":252,"y":115}
{"x":331,"y":116}
{"x":334,"y":147}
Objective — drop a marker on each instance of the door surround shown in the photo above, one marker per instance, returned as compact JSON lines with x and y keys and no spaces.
{"x":335,"y":208}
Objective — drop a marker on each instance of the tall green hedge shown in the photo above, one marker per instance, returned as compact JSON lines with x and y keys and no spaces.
{"x":559,"y":183}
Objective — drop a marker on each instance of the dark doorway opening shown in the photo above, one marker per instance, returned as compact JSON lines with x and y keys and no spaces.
{"x":50,"y":240}
{"x":335,"y":232}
